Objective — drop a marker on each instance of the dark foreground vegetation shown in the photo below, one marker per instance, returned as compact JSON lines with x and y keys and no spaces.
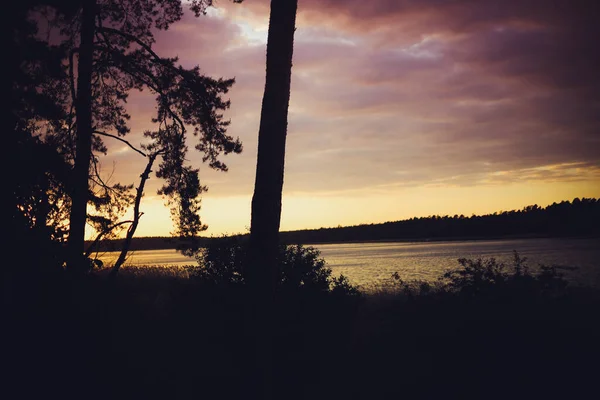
{"x":580,"y":217}
{"x":72,"y":332}
{"x":485,"y":330}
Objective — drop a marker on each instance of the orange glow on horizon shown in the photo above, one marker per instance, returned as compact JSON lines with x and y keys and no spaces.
{"x":231,"y":215}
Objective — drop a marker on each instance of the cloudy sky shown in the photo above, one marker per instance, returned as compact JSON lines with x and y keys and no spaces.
{"x":399,"y":108}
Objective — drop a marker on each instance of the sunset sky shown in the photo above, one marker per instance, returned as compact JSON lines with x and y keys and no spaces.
{"x":398,"y":108}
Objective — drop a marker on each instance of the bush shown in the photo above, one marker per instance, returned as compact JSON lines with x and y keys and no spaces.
{"x":300,"y":268}
{"x":220,"y":263}
{"x":489,"y":278}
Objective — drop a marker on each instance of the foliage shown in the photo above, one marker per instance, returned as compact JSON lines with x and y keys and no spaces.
{"x":39,"y":180}
{"x":221,"y":262}
{"x":44,"y":121}
{"x":341,"y":286}
{"x":124,"y":60}
{"x":300,"y":268}
{"x":490,"y":279}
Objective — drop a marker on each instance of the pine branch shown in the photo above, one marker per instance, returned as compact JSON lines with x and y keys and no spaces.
{"x":122,"y":140}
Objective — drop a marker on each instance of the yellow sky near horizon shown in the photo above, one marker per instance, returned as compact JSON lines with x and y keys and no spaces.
{"x":231,"y":215}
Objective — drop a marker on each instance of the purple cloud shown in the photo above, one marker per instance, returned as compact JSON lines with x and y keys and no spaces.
{"x":388,"y":93}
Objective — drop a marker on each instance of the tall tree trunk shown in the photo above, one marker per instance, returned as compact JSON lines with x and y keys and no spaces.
{"x":262,"y":269}
{"x":266,"y":202}
{"x":83,"y":148}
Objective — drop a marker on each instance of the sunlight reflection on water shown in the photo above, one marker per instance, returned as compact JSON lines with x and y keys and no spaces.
{"x":372,"y":264}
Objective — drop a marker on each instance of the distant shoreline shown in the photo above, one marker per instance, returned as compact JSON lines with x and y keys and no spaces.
{"x":167,"y":243}
{"x":455,"y":239}
{"x":577,"y":219}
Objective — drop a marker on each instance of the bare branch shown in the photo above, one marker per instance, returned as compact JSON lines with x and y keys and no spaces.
{"x":93,"y":246}
{"x":122,"y":140}
{"x":136,"y":215}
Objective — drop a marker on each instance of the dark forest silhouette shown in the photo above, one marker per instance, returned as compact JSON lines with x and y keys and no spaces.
{"x":581,"y":217}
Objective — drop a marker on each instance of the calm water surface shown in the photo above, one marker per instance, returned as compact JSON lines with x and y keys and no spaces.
{"x":372,"y":264}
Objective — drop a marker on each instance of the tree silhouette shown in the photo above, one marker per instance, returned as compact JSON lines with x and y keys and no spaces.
{"x":261,"y":269}
{"x":84,"y":131}
{"x":38,"y":184}
{"x":109,"y":53}
{"x":266,"y":201}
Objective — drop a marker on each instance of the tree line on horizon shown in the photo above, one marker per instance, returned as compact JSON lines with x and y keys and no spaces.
{"x":580,"y":217}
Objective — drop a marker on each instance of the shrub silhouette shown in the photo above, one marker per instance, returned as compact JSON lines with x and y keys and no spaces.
{"x":300,"y":268}
{"x":489,"y":277}
{"x":493,"y":280}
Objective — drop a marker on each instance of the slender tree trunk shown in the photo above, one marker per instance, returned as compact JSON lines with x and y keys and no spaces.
{"x":136,"y":216}
{"x":83,"y":149}
{"x":262,"y":269}
{"x":266,"y":202}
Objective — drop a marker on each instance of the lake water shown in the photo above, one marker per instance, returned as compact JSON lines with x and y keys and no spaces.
{"x":372,"y":264}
